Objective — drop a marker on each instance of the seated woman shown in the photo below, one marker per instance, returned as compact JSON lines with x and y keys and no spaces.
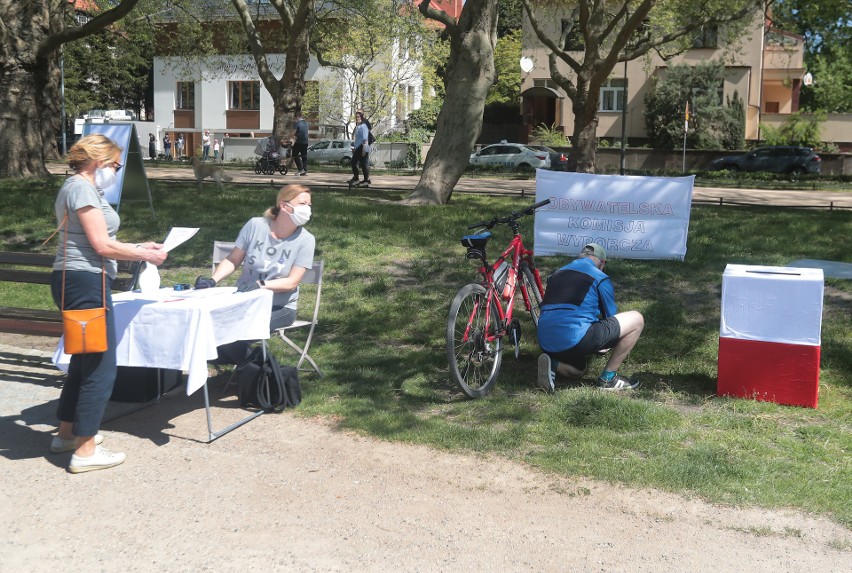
{"x":274,"y":250}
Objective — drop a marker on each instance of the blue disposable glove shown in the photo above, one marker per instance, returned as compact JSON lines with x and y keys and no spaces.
{"x":204,"y":282}
{"x":246,"y":287}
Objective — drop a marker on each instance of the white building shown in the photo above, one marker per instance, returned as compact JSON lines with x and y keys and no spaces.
{"x":224,"y":94}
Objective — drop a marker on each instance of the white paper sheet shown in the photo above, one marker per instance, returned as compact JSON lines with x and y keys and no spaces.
{"x":178,"y":236}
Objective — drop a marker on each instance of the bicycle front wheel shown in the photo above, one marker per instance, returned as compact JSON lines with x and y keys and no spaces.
{"x":473,"y":351}
{"x":532,"y":290}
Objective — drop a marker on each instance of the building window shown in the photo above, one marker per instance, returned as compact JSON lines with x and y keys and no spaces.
{"x":772,"y":107}
{"x":707,"y":37}
{"x":185,"y":95}
{"x":612,"y":95}
{"x":574,"y":41}
{"x":545,"y":83}
{"x":244,"y":95}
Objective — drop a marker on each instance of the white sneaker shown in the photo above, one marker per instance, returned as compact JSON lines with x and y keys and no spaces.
{"x":546,"y":379}
{"x":100,"y":460}
{"x":60,"y":446}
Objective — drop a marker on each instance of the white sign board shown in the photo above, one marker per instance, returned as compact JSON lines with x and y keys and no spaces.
{"x":632,"y":217}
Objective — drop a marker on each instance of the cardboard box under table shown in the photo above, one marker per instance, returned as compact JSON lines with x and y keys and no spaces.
{"x":769,"y":340}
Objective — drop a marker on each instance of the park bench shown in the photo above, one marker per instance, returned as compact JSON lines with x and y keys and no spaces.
{"x":36,"y":268}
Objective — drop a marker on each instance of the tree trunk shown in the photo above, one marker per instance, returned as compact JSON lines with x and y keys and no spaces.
{"x":470,"y":74}
{"x":287,"y":93}
{"x":31,"y":34}
{"x":585,"y":139}
{"x":23,"y":148}
{"x":291,"y":87}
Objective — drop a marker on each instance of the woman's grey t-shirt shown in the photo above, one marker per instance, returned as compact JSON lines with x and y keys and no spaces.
{"x":271,"y":258}
{"x":75,"y":194}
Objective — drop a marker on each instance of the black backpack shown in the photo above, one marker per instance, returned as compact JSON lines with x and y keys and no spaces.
{"x":266,"y":384}
{"x":370,"y":137}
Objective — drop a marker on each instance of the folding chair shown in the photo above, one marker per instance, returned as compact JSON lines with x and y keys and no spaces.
{"x":313,"y":276}
{"x":221,"y":250}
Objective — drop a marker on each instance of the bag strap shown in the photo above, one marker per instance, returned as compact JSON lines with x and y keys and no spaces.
{"x":64,"y":223}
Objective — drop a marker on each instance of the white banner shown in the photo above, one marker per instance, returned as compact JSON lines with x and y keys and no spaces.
{"x":632,"y":217}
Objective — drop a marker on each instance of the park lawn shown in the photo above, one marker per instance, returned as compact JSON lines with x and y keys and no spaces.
{"x":391,"y":272}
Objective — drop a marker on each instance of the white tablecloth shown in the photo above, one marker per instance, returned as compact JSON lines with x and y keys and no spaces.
{"x":180,"y":330}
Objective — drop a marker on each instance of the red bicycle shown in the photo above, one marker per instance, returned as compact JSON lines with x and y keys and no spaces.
{"x":482,"y":313}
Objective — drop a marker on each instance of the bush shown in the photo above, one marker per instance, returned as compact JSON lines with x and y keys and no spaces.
{"x":550,"y":136}
{"x":711,"y":124}
{"x":797,"y":130}
{"x":426,"y":117}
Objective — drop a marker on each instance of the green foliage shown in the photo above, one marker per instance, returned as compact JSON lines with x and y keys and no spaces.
{"x":711,"y":125}
{"x":507,"y":54}
{"x":372,"y":60}
{"x":509,"y":17}
{"x":426,"y":117}
{"x":832,"y":88}
{"x":550,"y":136}
{"x":390,"y":279}
{"x":110,"y":69}
{"x":798,"y":129}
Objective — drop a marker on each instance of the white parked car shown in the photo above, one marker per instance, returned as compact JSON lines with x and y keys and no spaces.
{"x":338,"y":151}
{"x":514,"y":156}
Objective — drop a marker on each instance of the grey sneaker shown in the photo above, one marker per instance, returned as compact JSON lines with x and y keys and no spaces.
{"x":619,"y":382}
{"x":546,"y":379}
{"x":100,"y":460}
{"x":60,"y":446}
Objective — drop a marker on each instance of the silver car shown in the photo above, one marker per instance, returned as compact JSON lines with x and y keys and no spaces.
{"x":337,"y":151}
{"x":511,"y":155}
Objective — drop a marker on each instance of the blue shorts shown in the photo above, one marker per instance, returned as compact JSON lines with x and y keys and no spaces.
{"x":602,"y":334}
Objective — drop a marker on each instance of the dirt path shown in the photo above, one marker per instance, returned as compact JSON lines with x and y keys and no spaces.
{"x":285,"y":493}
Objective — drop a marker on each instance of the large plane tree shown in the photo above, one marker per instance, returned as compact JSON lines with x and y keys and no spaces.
{"x":469,"y":75}
{"x":31,"y":35}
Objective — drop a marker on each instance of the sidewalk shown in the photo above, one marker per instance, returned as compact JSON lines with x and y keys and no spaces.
{"x":759,"y":197}
{"x":285,"y":493}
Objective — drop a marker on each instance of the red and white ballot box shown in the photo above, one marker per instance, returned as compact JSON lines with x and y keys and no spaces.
{"x":769,"y":340}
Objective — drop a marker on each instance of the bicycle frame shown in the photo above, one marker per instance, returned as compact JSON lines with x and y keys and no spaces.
{"x":514,"y":254}
{"x":475,"y":334}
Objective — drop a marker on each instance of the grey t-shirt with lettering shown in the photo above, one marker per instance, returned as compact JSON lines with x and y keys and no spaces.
{"x":75,"y":194}
{"x":270,"y":258}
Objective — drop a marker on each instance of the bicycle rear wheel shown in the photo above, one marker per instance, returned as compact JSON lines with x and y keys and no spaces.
{"x":474,"y":360}
{"x":528,"y":279}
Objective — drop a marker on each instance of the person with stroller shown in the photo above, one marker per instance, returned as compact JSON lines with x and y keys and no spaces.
{"x":360,"y":151}
{"x":300,"y":145}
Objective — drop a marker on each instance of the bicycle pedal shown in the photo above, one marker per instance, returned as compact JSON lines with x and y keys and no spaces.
{"x":516,"y":333}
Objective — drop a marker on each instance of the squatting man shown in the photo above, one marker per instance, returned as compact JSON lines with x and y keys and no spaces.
{"x":579,"y":319}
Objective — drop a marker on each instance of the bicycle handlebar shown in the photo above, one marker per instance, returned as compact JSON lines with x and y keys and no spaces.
{"x":514,"y":216}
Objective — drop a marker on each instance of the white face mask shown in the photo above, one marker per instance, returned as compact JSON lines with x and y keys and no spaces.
{"x":301,"y":214}
{"x":105,"y":177}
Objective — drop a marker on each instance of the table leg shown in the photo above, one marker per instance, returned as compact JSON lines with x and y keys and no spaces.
{"x":214,"y":434}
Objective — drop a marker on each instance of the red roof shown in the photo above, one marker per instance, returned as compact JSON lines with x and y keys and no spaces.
{"x":88,"y":6}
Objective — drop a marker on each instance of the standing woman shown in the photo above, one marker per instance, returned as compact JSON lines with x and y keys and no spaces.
{"x":87,"y":250}
{"x":274,"y":250}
